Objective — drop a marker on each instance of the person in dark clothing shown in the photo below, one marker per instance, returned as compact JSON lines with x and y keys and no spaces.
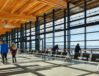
{"x":4,"y":51}
{"x":77,"y":51}
{"x":55,"y":49}
{"x":13,"y":50}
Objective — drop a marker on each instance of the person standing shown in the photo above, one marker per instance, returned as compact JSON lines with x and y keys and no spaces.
{"x":54,"y":50}
{"x":4,"y":52}
{"x":57,"y":48}
{"x":0,"y":45}
{"x":13,"y":50}
{"x":77,"y":51}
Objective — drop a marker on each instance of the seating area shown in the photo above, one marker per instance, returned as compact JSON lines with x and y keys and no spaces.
{"x":87,"y":55}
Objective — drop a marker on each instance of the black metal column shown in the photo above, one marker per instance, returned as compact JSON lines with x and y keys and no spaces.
{"x":68,"y":26}
{"x":6,"y":36}
{"x":44,"y":32}
{"x":12,"y":36}
{"x":64,"y":30}
{"x":9,"y":38}
{"x":53,"y":16}
{"x":14,"y":32}
{"x":21,"y":40}
{"x":25,"y":36}
{"x":1,"y":37}
{"x":30,"y":24}
{"x":85,"y":22}
{"x":17,"y":38}
{"x":37,"y":35}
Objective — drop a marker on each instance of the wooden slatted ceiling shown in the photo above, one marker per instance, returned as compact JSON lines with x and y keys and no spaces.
{"x":15,"y":12}
{"x":3,"y":30}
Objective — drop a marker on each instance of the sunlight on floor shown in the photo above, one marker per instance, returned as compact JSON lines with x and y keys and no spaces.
{"x":29,"y":65}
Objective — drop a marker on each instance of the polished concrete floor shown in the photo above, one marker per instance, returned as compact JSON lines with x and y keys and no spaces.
{"x":29,"y":65}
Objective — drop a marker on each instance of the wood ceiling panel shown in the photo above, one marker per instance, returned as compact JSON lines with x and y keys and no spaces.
{"x":4,"y":30}
{"x":29,"y":6}
{"x":23,"y":7}
{"x":36,"y":8}
{"x":18,"y":5}
{"x":12,"y":4}
{"x":13,"y":11}
{"x":1,"y":21}
{"x":2,"y":3}
{"x":5,"y":4}
{"x":15,"y":6}
{"x":9,"y":5}
{"x":8,"y":16}
{"x":3,"y":24}
{"x":43,"y":10}
{"x":93,"y":4}
{"x":32,"y":8}
{"x":55,"y":3}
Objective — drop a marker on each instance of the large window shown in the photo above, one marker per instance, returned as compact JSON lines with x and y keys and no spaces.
{"x":77,"y":36}
{"x":76,"y":30}
{"x":92,"y":36}
{"x":49,"y":40}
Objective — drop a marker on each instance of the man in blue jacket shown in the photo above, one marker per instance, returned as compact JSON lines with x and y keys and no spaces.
{"x":0,"y":45}
{"x":4,"y":52}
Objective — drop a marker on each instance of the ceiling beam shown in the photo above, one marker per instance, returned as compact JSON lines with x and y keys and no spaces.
{"x":57,"y":3}
{"x":6,"y":2}
{"x":37,"y":8}
{"x":12,"y":24}
{"x":18,"y":5}
{"x":79,"y":2}
{"x":4,"y":30}
{"x":43,"y":10}
{"x":9,"y":16}
{"x":30,"y":5}
{"x":93,"y":4}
